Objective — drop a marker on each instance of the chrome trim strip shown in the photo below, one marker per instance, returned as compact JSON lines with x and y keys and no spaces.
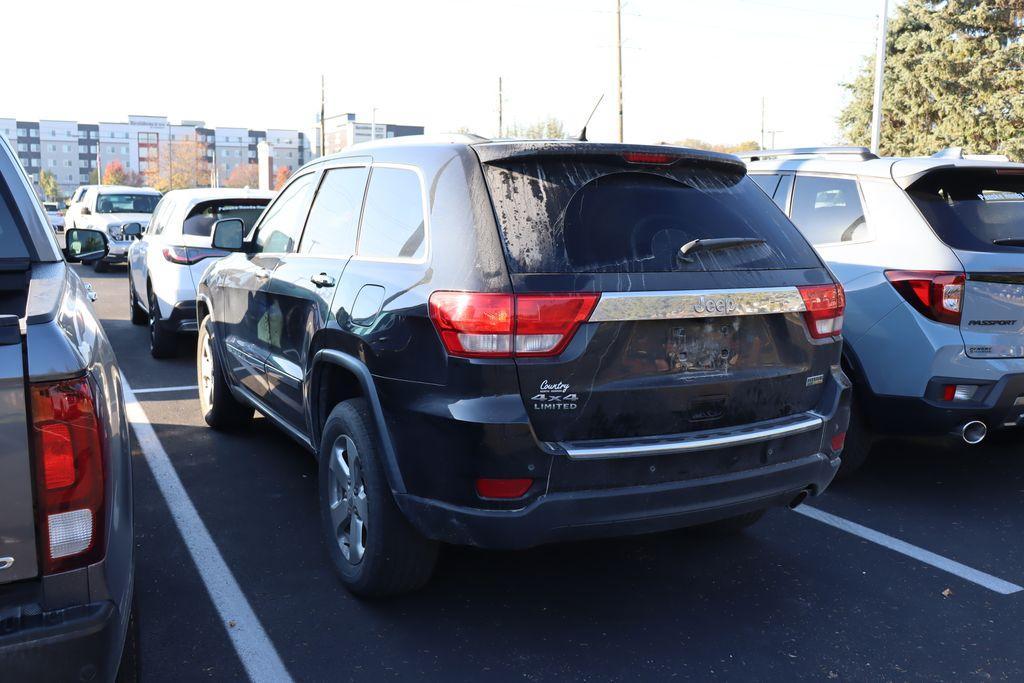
{"x":707,"y":303}
{"x":699,"y":441}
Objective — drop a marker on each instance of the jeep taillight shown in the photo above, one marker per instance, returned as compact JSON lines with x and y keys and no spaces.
{"x":937,"y":295}
{"x":824,"y":306}
{"x":478,"y":325}
{"x":68,"y":447}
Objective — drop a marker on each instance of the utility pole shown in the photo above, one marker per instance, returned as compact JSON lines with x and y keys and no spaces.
{"x":501,"y":104}
{"x":323,"y":135}
{"x":876,"y":109}
{"x":762,"y":122}
{"x":618,"y":50}
{"x":373,"y":124}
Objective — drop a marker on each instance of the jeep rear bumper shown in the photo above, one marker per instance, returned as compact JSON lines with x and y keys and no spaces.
{"x":572,"y":515}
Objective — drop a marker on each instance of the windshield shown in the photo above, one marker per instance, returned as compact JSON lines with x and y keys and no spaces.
{"x":586,"y":215}
{"x":126,"y":203}
{"x":976,"y":209}
{"x":201,"y":219}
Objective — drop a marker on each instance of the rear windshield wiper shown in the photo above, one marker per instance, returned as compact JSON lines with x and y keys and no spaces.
{"x":716,"y":244}
{"x":1009,"y":242}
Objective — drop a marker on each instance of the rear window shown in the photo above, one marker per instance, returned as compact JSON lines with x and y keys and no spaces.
{"x":201,"y":218}
{"x":587,"y":215}
{"x":976,"y":209}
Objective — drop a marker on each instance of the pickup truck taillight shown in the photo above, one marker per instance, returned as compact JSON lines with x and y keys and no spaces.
{"x":483,"y":325}
{"x":68,"y":447}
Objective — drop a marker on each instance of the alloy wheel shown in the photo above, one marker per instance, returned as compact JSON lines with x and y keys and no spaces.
{"x":206,"y":372}
{"x":347,"y":499}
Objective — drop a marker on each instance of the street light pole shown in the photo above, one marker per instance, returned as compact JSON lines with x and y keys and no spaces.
{"x":876,"y":109}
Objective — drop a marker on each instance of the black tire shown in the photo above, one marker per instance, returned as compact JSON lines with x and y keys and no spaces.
{"x":394,"y":557}
{"x":128,"y":669}
{"x":219,"y":407}
{"x":162,"y":342}
{"x":731,"y":525}
{"x":138,"y":314}
{"x":99,"y":265}
{"x":859,"y":442}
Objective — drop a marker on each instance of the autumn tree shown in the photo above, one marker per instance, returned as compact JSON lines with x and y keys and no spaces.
{"x":244,"y":175}
{"x":281,"y":176}
{"x":48,"y":184}
{"x":954,"y":77}
{"x":113,"y":173}
{"x":180,"y":164}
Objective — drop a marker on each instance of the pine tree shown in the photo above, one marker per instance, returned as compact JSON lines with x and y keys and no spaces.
{"x":954,"y":77}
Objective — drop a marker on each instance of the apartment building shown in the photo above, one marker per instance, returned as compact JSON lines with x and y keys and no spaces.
{"x":72,"y":151}
{"x":342,"y":131}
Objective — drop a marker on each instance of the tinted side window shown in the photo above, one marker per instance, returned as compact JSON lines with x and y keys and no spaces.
{"x":12,"y":246}
{"x":279,"y":231}
{"x":334,"y":218}
{"x":768,"y":183}
{"x":782,"y":191}
{"x":163,"y":209}
{"x":828,"y":210}
{"x":393,"y":222}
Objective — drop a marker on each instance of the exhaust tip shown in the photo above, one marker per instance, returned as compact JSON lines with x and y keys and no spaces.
{"x":973,"y":432}
{"x":798,"y":500}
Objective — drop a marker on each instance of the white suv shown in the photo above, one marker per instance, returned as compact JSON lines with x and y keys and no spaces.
{"x":112,"y":208}
{"x":165,"y":264}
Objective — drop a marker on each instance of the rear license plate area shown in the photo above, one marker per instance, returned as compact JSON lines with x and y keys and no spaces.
{"x":704,"y":347}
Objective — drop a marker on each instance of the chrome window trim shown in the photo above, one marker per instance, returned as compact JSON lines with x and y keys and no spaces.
{"x":698,"y":441}
{"x":668,"y":305}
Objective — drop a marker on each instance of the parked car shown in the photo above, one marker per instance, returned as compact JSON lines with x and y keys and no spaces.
{"x":56,"y":215}
{"x":75,"y":206}
{"x":931,"y":254}
{"x":112,"y":208}
{"x":505,"y":344}
{"x":174,"y":252}
{"x":66,"y":541}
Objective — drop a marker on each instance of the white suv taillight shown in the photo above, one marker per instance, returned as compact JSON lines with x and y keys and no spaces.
{"x":938,"y":295}
{"x":70,"y":474}
{"x":479,"y":325}
{"x":824,"y":306}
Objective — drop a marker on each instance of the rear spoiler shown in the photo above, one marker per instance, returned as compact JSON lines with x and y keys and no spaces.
{"x":491,"y":152}
{"x":907,"y":172}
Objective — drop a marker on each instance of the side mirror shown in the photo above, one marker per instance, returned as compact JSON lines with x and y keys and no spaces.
{"x":86,"y":211}
{"x":85,"y":245}
{"x":229,"y":234}
{"x":133,"y":230}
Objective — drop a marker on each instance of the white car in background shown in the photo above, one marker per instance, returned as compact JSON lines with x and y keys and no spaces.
{"x":112,"y":208}
{"x":75,"y":206}
{"x":165,"y":264}
{"x":55,"y":214}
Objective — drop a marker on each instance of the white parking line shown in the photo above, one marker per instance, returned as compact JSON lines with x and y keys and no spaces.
{"x":254,"y":648}
{"x":160,"y":390}
{"x":920,"y":554}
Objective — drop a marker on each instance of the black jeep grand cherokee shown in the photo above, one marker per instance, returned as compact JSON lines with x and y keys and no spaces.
{"x":513,"y":343}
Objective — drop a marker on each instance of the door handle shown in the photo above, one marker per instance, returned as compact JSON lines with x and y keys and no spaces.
{"x":322,"y":280}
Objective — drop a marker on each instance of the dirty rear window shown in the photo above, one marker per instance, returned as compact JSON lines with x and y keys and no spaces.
{"x":976,"y":209}
{"x":570,"y":215}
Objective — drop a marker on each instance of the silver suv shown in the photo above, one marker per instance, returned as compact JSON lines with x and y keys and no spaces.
{"x":931,"y":254}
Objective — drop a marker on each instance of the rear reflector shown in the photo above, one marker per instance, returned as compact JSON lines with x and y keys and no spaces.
{"x":824,"y":306}
{"x":503,"y":488}
{"x":959,"y":392}
{"x":838,"y":441}
{"x":478,"y":325}
{"x":937,"y":295}
{"x":70,"y":491}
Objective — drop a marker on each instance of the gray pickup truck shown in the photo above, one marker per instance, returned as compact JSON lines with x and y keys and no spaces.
{"x":66,"y":539}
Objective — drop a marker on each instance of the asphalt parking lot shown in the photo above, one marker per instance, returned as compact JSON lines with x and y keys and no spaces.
{"x":233,"y":582}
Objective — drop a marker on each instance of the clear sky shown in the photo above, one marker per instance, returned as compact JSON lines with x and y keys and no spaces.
{"x":692,"y":68}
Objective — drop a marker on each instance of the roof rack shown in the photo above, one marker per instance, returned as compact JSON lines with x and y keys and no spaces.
{"x":958,"y":153}
{"x":862,"y":153}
